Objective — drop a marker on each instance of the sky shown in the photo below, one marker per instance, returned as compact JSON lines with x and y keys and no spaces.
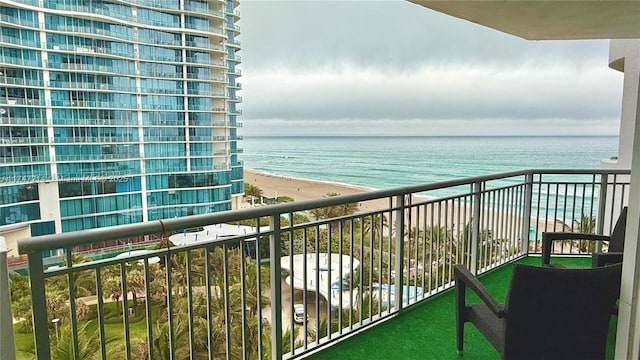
{"x":393,"y":68}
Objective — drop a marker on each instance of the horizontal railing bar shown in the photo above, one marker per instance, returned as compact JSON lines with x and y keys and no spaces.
{"x":87,"y":237}
{"x":464,"y":195}
{"x":581,"y":171}
{"x":96,"y":264}
{"x":161,"y":252}
{"x":333,"y":220}
{"x":551,"y":182}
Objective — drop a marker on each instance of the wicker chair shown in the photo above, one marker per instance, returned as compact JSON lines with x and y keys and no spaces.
{"x":550,"y":313}
{"x":613,"y":254}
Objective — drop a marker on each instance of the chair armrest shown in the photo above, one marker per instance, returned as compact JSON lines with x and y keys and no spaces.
{"x":465,"y":278}
{"x":608,"y":258}
{"x":549,"y":237}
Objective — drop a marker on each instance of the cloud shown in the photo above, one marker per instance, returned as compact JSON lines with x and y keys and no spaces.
{"x":394,"y":33}
{"x":424,"y":127}
{"x":433,"y":92}
{"x":382,"y":67}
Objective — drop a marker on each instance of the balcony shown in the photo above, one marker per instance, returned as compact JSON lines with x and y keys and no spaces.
{"x":428,"y":329}
{"x":228,"y":291}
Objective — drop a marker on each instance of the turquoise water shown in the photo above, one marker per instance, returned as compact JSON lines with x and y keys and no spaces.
{"x":388,"y":162}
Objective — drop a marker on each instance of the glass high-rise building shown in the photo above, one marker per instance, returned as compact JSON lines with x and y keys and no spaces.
{"x":116,"y":112}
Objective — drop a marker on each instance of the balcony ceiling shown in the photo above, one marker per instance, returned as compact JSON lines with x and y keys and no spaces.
{"x":548,"y":20}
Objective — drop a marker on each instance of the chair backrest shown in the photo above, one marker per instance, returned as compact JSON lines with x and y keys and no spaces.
{"x":616,"y":244}
{"x":560,"y":313}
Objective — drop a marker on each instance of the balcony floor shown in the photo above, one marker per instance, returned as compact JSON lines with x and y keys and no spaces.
{"x":427,"y":330}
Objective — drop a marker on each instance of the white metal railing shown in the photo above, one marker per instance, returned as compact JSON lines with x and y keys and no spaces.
{"x":350,"y":260}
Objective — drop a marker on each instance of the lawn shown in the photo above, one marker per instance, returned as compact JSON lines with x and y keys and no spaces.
{"x":113,"y":328}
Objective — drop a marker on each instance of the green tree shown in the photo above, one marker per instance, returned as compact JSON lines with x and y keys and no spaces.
{"x":375,"y":225}
{"x":334,"y":211}
{"x":21,"y":300}
{"x":252,"y":191}
{"x":181,"y":340}
{"x":82,"y":283}
{"x":111,"y":285}
{"x":439,"y":259}
{"x":586,"y":225}
{"x":164,"y":243}
{"x":464,"y":242}
{"x":88,"y":344}
{"x":135,"y":283}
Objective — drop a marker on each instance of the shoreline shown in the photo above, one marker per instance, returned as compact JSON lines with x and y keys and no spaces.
{"x":274,"y":185}
{"x":293,"y":178}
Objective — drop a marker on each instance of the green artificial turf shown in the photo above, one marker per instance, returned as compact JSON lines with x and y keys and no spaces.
{"x":427,"y":330}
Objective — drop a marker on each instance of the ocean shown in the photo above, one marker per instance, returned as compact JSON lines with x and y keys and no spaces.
{"x":388,"y":162}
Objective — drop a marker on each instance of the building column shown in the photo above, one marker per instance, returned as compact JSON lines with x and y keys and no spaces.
{"x":626,"y":55}
{"x":50,"y":203}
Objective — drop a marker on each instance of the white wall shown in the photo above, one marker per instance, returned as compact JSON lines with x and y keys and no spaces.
{"x":625,"y":56}
{"x":12,"y":233}
{"x":50,"y":203}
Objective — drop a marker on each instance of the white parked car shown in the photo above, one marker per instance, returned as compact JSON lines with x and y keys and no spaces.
{"x":298,"y":313}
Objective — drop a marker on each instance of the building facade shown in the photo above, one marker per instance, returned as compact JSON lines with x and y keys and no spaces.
{"x":116,"y":112}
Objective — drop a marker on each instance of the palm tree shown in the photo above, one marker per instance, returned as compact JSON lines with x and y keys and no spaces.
{"x":180,"y":342}
{"x":180,"y":338}
{"x":135,"y":283}
{"x":286,"y":342}
{"x":82,"y":283}
{"x":111,"y":285}
{"x":252,"y":191}
{"x":164,"y":243}
{"x":88,"y":344}
{"x":334,"y":211}
{"x":586,"y":225}
{"x":251,"y":290}
{"x":180,"y":262}
{"x":464,"y":242}
{"x":440,"y":254}
{"x":375,"y":224}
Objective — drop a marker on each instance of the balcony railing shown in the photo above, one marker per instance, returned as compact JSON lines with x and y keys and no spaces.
{"x":227,"y":291}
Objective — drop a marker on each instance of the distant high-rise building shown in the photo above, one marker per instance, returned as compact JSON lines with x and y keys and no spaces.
{"x":116,"y":112}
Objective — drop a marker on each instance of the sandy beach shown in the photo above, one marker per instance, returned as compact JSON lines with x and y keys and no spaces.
{"x":298,"y":189}
{"x":302,"y":189}
{"x":275,"y":185}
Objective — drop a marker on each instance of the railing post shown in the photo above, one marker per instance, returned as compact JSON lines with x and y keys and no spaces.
{"x":7,"y":346}
{"x":399,"y":269}
{"x":602,"y":204}
{"x":275,"y":252}
{"x":528,"y":203}
{"x":39,"y":305}
{"x":477,"y":198}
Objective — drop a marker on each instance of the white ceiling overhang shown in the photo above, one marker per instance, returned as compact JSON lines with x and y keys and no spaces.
{"x":548,"y":20}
